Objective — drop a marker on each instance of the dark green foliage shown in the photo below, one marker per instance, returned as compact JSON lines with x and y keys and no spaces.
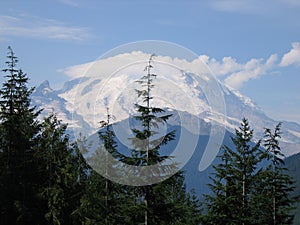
{"x":103,"y":201}
{"x":219,"y":205}
{"x":61,"y":172}
{"x":116,"y":195}
{"x":250,"y":185}
{"x":171,"y":203}
{"x":108,"y":137}
{"x":292,"y":164}
{"x":19,"y":128}
{"x":234,"y":181}
{"x":41,"y":173}
{"x":281,"y":184}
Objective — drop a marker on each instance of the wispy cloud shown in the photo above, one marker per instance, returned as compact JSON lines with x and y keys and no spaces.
{"x":28,"y":26}
{"x":292,"y":57}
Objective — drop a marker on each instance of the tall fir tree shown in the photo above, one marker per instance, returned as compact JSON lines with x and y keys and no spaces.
{"x":164,"y":202}
{"x":115,"y":194}
{"x":234,"y":181}
{"x":19,"y":127}
{"x":250,"y":185}
{"x":220,"y":204}
{"x":61,"y":171}
{"x":281,"y":185}
{"x":104,"y":201}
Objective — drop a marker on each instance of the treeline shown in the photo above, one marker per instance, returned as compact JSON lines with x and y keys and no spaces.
{"x":251,"y":185}
{"x":45,"y":180}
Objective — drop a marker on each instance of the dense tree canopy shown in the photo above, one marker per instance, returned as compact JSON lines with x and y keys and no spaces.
{"x":249,"y":185}
{"x":44,"y":178}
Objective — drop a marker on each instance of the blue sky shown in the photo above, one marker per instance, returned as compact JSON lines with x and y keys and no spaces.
{"x":252,"y":45}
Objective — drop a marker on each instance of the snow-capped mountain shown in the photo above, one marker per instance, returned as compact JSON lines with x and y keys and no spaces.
{"x":180,"y":86}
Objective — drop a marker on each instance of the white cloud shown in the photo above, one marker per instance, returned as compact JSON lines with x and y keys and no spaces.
{"x":226,"y":66}
{"x":108,"y":66}
{"x":236,"y":74}
{"x":233,"y":73}
{"x":292,"y":57}
{"x":253,"y":69}
{"x":77,"y":70}
{"x":27,"y":26}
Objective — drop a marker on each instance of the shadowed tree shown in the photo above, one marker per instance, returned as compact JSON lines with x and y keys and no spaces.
{"x":234,"y":181}
{"x":281,"y":185}
{"x":250,"y":185}
{"x":19,"y":127}
{"x":62,"y":172}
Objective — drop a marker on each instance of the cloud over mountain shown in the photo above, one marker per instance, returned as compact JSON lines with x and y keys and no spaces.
{"x":229,"y":70}
{"x":181,"y":85}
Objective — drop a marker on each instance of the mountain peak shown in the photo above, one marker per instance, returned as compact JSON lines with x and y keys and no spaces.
{"x":45,"y":83}
{"x":186,"y":87}
{"x":44,"y":88}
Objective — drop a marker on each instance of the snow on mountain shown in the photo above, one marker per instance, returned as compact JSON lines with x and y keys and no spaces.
{"x":180,"y":85}
{"x":44,"y":97}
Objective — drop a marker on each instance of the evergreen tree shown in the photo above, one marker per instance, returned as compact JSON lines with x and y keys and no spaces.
{"x":281,"y":185}
{"x":115,"y":194}
{"x":235,"y":181}
{"x":19,"y":127}
{"x":164,"y":202}
{"x":250,"y":185}
{"x":92,"y":204}
{"x":103,"y":201}
{"x":61,"y":172}
{"x":220,"y":208}
{"x":171,"y":204}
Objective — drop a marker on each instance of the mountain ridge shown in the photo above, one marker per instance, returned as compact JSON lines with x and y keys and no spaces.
{"x":82,"y":101}
{"x":52,"y":102}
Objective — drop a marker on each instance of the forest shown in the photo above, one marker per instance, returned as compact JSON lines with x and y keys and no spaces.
{"x":44,"y":178}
